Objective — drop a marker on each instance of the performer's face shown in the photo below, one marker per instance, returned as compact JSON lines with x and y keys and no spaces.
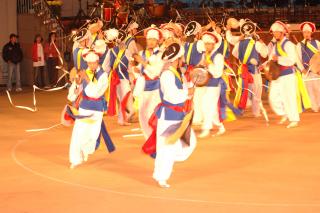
{"x":278,"y":35}
{"x":218,"y":30}
{"x":84,"y":42}
{"x":209,"y":46}
{"x":152,"y":43}
{"x":134,"y":31}
{"x":307,"y":35}
{"x":93,"y":65}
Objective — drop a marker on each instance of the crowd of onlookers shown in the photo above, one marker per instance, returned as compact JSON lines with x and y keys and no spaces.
{"x":44,"y":59}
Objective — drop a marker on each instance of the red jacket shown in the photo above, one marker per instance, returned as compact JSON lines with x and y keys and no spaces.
{"x":49,"y":49}
{"x":35,"y":52}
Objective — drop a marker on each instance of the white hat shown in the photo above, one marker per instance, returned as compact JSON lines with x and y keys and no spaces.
{"x":91,"y":56}
{"x":308,"y":26}
{"x":154,"y":33}
{"x":167,"y":34}
{"x":279,"y":26}
{"x":111,"y":34}
{"x":133,"y":25}
{"x":100,"y":46}
{"x":210,"y":37}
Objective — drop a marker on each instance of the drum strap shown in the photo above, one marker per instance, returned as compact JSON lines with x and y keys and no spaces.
{"x":312,"y":48}
{"x":248,"y":51}
{"x":79,"y":59}
{"x":189,"y":53}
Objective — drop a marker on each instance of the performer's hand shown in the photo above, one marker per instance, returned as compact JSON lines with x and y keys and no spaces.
{"x":228,"y":27}
{"x":137,"y":58}
{"x":213,"y":24}
{"x":275,"y":58}
{"x":83,"y":76}
{"x":191,"y":91}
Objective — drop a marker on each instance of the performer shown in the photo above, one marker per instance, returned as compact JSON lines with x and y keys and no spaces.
{"x":147,"y":83}
{"x":80,"y":44}
{"x":306,"y":50}
{"x":94,"y":82}
{"x":116,"y":64}
{"x":174,"y":92}
{"x":283,"y":95}
{"x":248,"y":52}
{"x":214,"y":62}
{"x":130,"y":40}
{"x":194,"y":49}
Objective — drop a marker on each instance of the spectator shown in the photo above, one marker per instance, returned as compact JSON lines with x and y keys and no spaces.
{"x":12,"y":55}
{"x":39,"y":73}
{"x":51,"y":54}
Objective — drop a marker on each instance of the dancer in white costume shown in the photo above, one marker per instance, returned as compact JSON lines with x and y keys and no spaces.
{"x":306,"y":49}
{"x":283,"y":91}
{"x":174,"y":93}
{"x":147,"y":73}
{"x":214,"y":62}
{"x":94,"y":82}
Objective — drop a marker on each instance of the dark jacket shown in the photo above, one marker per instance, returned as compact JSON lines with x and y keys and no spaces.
{"x":12,"y":52}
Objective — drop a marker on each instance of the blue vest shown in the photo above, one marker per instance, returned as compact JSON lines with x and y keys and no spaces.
{"x":307,"y":53}
{"x":96,"y":105}
{"x":150,"y":85}
{"x":221,"y":48}
{"x":213,"y":82}
{"x":82,"y":63}
{"x":195,"y":56}
{"x":103,"y":57}
{"x":123,"y":64}
{"x":243,"y":45}
{"x":170,"y":114}
{"x":289,"y":70}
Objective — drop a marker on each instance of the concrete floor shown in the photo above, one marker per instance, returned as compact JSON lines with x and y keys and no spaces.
{"x":252,"y":168}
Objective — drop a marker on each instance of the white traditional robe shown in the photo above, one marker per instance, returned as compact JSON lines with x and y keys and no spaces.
{"x":179,"y":151}
{"x":86,"y":131}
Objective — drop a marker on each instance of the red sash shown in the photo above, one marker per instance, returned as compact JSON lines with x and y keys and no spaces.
{"x":247,"y":79}
{"x":112,"y":105}
{"x":150,"y":146}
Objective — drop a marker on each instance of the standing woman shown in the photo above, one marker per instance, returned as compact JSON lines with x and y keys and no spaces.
{"x":39,"y":75}
{"x":52,"y":58}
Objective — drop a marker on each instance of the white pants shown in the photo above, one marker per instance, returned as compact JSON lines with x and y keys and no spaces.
{"x":313,"y":87}
{"x":256,"y":88}
{"x":283,"y":97}
{"x":84,"y":136}
{"x":168,"y":154}
{"x":122,"y":90}
{"x":209,"y":107}
{"x":198,"y":116}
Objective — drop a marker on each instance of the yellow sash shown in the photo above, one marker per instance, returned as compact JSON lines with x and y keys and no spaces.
{"x":280,"y":50}
{"x":312,"y":48}
{"x":118,"y":59}
{"x":79,"y":55}
{"x":248,"y":51}
{"x":225,"y":47}
{"x":189,"y":53}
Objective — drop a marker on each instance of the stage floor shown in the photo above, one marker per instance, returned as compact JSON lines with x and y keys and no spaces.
{"x":252,"y":168}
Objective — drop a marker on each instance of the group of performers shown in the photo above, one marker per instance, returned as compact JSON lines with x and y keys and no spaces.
{"x":183,"y":76}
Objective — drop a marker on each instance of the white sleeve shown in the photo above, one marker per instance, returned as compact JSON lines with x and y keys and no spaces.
{"x":262,"y":49}
{"x":200,"y":46}
{"x":171,"y":93}
{"x":97,"y":89}
{"x":290,"y":59}
{"x":231,"y":38}
{"x":216,"y":69}
{"x":106,"y":63}
{"x":154,"y":67}
{"x":299,"y":57}
{"x":73,"y":94}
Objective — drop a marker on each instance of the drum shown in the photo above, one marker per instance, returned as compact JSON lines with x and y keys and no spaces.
{"x":200,"y":76}
{"x":315,"y":63}
{"x":108,"y":14}
{"x":272,"y":70}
